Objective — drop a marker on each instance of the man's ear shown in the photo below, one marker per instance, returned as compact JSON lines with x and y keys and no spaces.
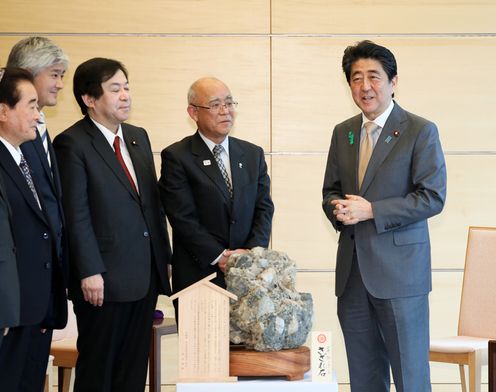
{"x":3,"y":112}
{"x":394,"y":81}
{"x":88,"y":100}
{"x":193,"y":113}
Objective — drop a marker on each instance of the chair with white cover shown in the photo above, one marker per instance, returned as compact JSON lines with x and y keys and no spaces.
{"x":477,"y":317}
{"x":64,"y":351}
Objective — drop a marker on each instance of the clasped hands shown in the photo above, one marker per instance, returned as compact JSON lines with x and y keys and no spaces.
{"x":352,"y":210}
{"x":225,"y":256}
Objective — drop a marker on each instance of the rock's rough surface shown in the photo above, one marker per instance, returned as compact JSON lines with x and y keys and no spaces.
{"x":270,"y":314}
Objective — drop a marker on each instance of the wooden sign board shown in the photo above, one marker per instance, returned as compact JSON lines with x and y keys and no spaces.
{"x":204,"y":332}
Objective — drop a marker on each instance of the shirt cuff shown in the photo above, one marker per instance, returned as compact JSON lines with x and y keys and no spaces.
{"x":218,"y":258}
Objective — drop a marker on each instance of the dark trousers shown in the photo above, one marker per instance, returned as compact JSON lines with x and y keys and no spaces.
{"x":380,"y":333}
{"x":114,"y":343}
{"x":24,"y":358}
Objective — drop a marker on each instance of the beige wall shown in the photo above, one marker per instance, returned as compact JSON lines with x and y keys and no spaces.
{"x":281,"y":59}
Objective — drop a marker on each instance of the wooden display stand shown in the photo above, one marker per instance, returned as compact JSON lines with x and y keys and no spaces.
{"x":291,"y":364}
{"x":204,"y":332}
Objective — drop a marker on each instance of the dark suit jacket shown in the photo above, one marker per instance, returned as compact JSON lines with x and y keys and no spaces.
{"x":9,"y":281}
{"x":47,"y":179}
{"x":204,"y":220}
{"x":35,"y":252}
{"x":406,"y":183}
{"x":112,"y":231}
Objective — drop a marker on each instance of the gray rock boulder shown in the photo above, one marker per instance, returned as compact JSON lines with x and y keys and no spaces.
{"x":270,"y":314}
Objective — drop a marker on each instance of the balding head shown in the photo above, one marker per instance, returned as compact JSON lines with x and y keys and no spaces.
{"x":211,"y":106}
{"x":202,"y":86}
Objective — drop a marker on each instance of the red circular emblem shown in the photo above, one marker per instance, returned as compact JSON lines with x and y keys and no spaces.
{"x":321,"y":338}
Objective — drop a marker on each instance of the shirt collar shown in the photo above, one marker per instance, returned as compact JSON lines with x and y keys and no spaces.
{"x":109,"y":135}
{"x":380,"y":120}
{"x":210,"y":144}
{"x":15,"y":152}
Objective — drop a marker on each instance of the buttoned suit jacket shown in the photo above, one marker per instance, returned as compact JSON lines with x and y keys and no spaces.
{"x":406,"y":183}
{"x":34,"y":152}
{"x":9,"y":281}
{"x":35,"y":252}
{"x":204,"y":219}
{"x":112,"y":231}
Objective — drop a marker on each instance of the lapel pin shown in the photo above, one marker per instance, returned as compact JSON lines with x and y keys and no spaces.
{"x":206,"y":162}
{"x":240,"y":165}
{"x":388,"y":139}
{"x":134,"y":143}
{"x":351,"y":138}
{"x":396,"y":133}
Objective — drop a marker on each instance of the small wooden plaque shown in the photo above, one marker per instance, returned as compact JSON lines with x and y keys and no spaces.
{"x":291,"y":364}
{"x":204,"y":332}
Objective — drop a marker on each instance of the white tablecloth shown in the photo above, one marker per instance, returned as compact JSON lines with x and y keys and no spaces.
{"x":269,"y":384}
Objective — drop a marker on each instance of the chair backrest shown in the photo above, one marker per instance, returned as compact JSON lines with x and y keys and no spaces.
{"x":70,"y":330}
{"x":478,"y":304}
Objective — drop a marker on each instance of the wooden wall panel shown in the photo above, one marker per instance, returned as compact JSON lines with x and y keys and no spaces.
{"x":388,"y":16}
{"x":161,"y":69}
{"x":143,"y":17}
{"x":442,"y":79}
{"x":469,"y":203}
{"x":300,"y":227}
{"x":309,"y":92}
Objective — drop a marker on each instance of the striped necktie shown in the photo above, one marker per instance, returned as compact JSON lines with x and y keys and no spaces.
{"x":217,"y":151}
{"x":26,"y":171}
{"x":366,"y":149}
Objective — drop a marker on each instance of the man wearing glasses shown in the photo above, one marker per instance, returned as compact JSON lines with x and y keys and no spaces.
{"x":215,"y":189}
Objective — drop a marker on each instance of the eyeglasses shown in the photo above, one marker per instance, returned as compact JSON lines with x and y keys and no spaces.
{"x":215,"y":106}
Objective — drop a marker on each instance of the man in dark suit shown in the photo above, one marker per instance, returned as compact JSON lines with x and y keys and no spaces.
{"x":385,"y":177}
{"x":9,"y":281}
{"x":24,"y":351}
{"x":48,"y":63}
{"x":119,"y":247}
{"x":217,"y":202}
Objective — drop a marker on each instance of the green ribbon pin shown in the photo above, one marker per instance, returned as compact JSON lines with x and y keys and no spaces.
{"x":351,"y":138}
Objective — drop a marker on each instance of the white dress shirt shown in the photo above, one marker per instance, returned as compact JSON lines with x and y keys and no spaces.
{"x":110,"y":136}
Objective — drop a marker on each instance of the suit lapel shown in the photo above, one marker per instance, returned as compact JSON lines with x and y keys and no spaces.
{"x":3,"y":196}
{"x":389,"y":137}
{"x":206,"y":162}
{"x":37,"y":148}
{"x":138,"y":157}
{"x":103,"y":148}
{"x":17,"y":177}
{"x":55,"y":178}
{"x":239,"y":168}
{"x":353,"y":143}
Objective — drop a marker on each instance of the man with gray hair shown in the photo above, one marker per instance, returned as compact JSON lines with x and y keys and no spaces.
{"x":214,"y":188}
{"x":47,"y":63}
